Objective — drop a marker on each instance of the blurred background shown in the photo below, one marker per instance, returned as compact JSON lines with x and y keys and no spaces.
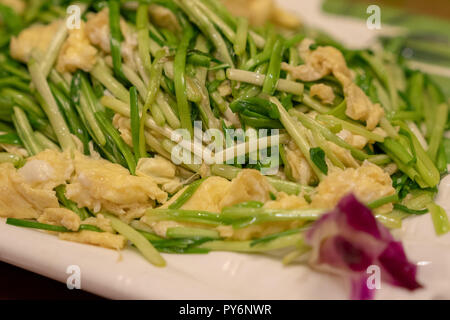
{"x":437,"y":8}
{"x":418,"y":30}
{"x":423,"y":36}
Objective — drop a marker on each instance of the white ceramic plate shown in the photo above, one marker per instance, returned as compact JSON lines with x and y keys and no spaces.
{"x":127,"y":275}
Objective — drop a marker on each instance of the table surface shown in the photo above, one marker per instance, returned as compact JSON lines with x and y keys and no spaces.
{"x":16,"y":283}
{"x":438,"y":8}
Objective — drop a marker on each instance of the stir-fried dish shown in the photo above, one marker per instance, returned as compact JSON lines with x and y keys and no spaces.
{"x":190,"y":126}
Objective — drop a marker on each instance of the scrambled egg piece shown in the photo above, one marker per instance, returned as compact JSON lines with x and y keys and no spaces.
{"x":216,"y":193}
{"x":249,"y":185}
{"x":354,"y":140}
{"x":380,"y":131}
{"x":209,"y":195}
{"x":77,"y":52}
{"x":97,"y":30}
{"x":47,"y":169}
{"x":123,"y":124}
{"x":28,"y":192}
{"x":283,"y":202}
{"x":369,"y":183}
{"x":36,"y":37}
{"x":100,"y":184}
{"x":286,"y":202}
{"x":20,"y":200}
{"x":285,"y":19}
{"x":258,"y":12}
{"x":162,"y":171}
{"x":323,"y":92}
{"x":359,"y":106}
{"x":100,"y":222}
{"x":93,"y":183}
{"x":102,"y":239}
{"x":326,"y":60}
{"x":17,"y":5}
{"x":318,"y":63}
{"x":300,"y":168}
{"x":158,"y":167}
{"x":164,"y":18}
{"x":61,"y":217}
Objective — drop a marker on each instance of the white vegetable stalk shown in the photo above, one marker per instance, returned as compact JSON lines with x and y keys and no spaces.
{"x":50,"y":107}
{"x":155,"y":145}
{"x":48,"y":60}
{"x":142,"y":244}
{"x":248,"y":147}
{"x":258,"y":79}
{"x":418,"y":134}
{"x":102,"y":73}
{"x":123,"y":108}
{"x":226,"y":30}
{"x":169,"y":114}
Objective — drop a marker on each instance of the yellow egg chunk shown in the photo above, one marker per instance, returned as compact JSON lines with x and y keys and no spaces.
{"x":286,"y":202}
{"x":97,"y":30}
{"x":249,"y":185}
{"x":93,"y":183}
{"x":209,"y":195}
{"x":61,"y":217}
{"x":77,"y":52}
{"x":101,"y":239}
{"x":37,"y":37}
{"x":20,"y":200}
{"x":162,"y":171}
{"x":216,"y":193}
{"x":285,"y":19}
{"x":301,"y":170}
{"x":323,"y":92}
{"x":369,"y":183}
{"x":48,"y":169}
{"x":123,"y":124}
{"x":354,"y":140}
{"x":101,"y":185}
{"x":100,"y":222}
{"x":259,"y":12}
